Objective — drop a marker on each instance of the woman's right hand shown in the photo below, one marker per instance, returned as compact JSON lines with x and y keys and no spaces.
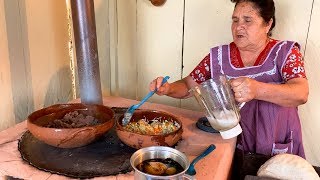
{"x":156,"y":83}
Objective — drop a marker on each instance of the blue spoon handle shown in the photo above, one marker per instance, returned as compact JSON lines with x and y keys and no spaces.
{"x":164,"y":80}
{"x":202,"y":155}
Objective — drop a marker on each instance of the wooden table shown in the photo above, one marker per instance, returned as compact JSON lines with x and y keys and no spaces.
{"x":216,"y":165}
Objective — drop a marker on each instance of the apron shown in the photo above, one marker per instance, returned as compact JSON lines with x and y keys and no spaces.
{"x":268,"y":128}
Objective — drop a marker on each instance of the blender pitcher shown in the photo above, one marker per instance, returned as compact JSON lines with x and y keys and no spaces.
{"x":216,"y":98}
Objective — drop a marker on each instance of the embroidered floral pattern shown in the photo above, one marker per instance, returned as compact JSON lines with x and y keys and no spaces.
{"x":293,"y":67}
{"x":202,"y":71}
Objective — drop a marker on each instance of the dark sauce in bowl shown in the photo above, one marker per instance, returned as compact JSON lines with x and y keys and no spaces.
{"x":160,"y":167}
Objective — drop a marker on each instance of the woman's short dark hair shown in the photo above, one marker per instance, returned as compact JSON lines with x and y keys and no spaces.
{"x":266,"y":10}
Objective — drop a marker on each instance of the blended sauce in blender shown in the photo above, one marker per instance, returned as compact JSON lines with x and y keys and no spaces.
{"x":224,"y":120}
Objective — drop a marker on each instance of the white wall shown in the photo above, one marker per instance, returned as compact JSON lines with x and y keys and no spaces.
{"x":207,"y":24}
{"x":309,"y":112}
{"x":6,"y":107}
{"x":159,"y":47}
{"x":47,"y":43}
{"x":34,"y":60}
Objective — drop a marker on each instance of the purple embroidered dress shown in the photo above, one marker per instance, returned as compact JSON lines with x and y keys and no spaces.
{"x":268,"y":128}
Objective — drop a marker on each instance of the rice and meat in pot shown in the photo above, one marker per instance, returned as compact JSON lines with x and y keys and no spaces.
{"x":156,"y":126}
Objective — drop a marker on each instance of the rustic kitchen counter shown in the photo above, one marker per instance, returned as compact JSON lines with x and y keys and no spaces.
{"x":216,"y":165}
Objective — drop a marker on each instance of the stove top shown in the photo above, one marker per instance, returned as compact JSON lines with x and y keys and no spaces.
{"x":104,"y":157}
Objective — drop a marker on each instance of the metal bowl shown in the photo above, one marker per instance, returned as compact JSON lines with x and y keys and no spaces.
{"x":38,"y":121}
{"x":138,"y":141}
{"x":161,"y":152}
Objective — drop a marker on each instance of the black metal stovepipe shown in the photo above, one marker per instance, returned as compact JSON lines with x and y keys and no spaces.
{"x":84,"y":26}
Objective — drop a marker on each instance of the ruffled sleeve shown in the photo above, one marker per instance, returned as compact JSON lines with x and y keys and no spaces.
{"x":294,"y":65}
{"x":201,"y":72}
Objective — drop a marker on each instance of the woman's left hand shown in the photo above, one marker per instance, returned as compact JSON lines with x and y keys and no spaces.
{"x":245,"y":89}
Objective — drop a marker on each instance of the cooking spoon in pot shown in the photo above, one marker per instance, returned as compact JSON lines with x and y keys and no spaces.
{"x":191,"y":170}
{"x":128,"y":114}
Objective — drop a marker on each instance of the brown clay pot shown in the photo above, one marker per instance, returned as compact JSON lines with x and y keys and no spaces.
{"x":138,"y":141}
{"x":70,"y":137}
{"x":157,"y":2}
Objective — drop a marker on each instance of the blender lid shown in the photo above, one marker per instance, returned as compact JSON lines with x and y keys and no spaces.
{"x":233,"y":132}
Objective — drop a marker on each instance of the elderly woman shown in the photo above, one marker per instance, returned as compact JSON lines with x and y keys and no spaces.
{"x":266,"y":73}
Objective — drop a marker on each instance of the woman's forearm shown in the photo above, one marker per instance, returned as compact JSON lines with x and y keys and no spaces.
{"x":180,"y":88}
{"x":293,"y":93}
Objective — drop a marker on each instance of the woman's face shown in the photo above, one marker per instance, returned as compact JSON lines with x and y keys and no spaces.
{"x":248,"y":27}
